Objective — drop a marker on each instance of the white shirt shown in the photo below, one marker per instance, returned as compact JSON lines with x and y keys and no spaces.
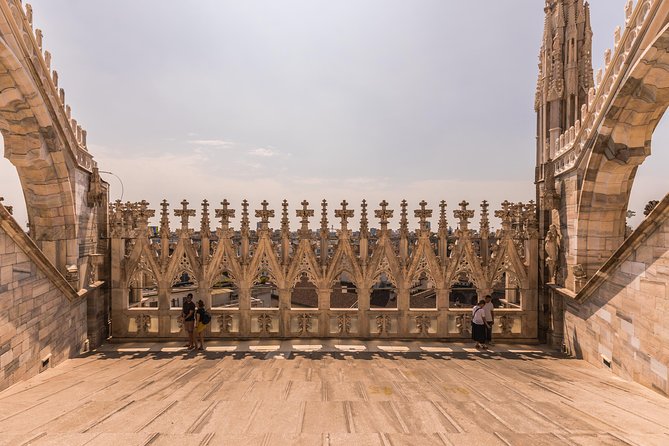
{"x":477,"y":315}
{"x":488,"y":307}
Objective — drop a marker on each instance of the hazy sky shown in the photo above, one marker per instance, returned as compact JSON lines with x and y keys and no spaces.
{"x":421,"y":99}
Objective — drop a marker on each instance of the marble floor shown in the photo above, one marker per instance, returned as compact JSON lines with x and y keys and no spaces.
{"x":329,"y":393}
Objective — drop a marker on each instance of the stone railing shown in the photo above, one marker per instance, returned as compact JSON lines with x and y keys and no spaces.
{"x":372,"y":282}
{"x":576,"y":140}
{"x":30,"y":42}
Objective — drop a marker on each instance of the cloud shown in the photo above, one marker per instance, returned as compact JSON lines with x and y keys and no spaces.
{"x":264,"y":152}
{"x":211,"y":142}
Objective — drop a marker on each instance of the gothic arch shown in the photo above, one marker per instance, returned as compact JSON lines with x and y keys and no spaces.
{"x":623,"y":143}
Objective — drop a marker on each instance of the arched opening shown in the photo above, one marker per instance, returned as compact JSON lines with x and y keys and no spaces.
{"x":506,"y":291}
{"x":12,"y":191}
{"x":304,"y":294}
{"x":344,"y":293}
{"x":182,"y":284}
{"x":383,"y":293}
{"x":423,"y":293}
{"x":463,"y":293}
{"x":142,"y":290}
{"x":650,"y":180}
{"x":264,"y":293}
{"x":224,"y":291}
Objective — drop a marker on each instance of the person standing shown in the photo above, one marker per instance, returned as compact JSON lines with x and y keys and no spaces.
{"x":188,"y":314}
{"x":489,"y":309}
{"x":479,"y":325}
{"x":202,"y":318}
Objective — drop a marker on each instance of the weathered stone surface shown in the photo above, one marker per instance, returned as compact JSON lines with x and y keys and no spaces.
{"x":130,"y":393}
{"x":625,"y":324}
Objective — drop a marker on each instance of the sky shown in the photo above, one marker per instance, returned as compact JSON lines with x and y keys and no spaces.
{"x":312,"y":99}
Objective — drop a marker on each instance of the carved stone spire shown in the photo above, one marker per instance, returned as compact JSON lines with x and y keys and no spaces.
{"x":205,"y":229}
{"x":285,"y":228}
{"x":245,"y":218}
{"x":225,"y":214}
{"x":264,"y":214}
{"x":484,"y":225}
{"x":304,"y":215}
{"x":364,"y":223}
{"x":506,"y":215}
{"x":463,"y":214}
{"x":423,"y":214}
{"x":443,"y":222}
{"x":404,"y":222}
{"x":184,"y":213}
{"x":325,"y":234}
{"x":164,"y":219}
{"x":344,"y":214}
{"x":383,"y":215}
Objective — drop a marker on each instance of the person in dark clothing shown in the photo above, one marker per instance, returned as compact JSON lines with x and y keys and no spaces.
{"x":188,"y":314}
{"x":201,"y":321}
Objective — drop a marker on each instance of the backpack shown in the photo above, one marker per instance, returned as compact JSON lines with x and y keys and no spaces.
{"x":206,"y":317}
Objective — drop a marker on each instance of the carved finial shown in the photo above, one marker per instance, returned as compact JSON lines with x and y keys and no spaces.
{"x":184,"y":213}
{"x":164,"y":219}
{"x":225,"y":214}
{"x":144,"y":213}
{"x":38,"y":38}
{"x":506,"y":214}
{"x":29,"y":14}
{"x":463,"y":214}
{"x":443,"y":223}
{"x":304,"y":215}
{"x":245,"y":217}
{"x":344,"y":214}
{"x":629,"y":7}
{"x":423,"y":214}
{"x":83,"y":137}
{"x":54,"y":77}
{"x":47,"y":59}
{"x":284,"y":217}
{"x":531,"y":219}
{"x":404,"y":222}
{"x":484,"y":228}
{"x":264,"y":214}
{"x":364,"y":223}
{"x":68,"y":109}
{"x":205,"y":230}
{"x":324,"y":218}
{"x":616,"y":36}
{"x":383,"y":215}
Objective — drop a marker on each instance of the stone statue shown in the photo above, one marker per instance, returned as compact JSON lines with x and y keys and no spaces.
{"x":552,"y":246}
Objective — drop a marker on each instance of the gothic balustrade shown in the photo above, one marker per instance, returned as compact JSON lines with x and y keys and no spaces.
{"x":374,"y":282}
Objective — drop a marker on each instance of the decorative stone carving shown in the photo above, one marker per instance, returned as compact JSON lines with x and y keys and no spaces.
{"x":463,"y":322}
{"x":225,"y":323}
{"x":143,"y":322}
{"x":343,"y":324}
{"x":383,"y":324}
{"x":505,"y":323}
{"x":552,"y":247}
{"x":265,"y":323}
{"x":423,"y":323}
{"x":95,"y":195}
{"x":304,"y":323}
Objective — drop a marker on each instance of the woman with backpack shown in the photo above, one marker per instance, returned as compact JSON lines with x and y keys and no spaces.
{"x":202,"y":319}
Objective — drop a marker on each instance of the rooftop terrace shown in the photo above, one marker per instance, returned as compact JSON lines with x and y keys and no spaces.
{"x":329,"y":393}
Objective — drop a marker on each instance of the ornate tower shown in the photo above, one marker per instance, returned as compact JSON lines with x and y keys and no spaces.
{"x":565,"y":74}
{"x":565,"y":77}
